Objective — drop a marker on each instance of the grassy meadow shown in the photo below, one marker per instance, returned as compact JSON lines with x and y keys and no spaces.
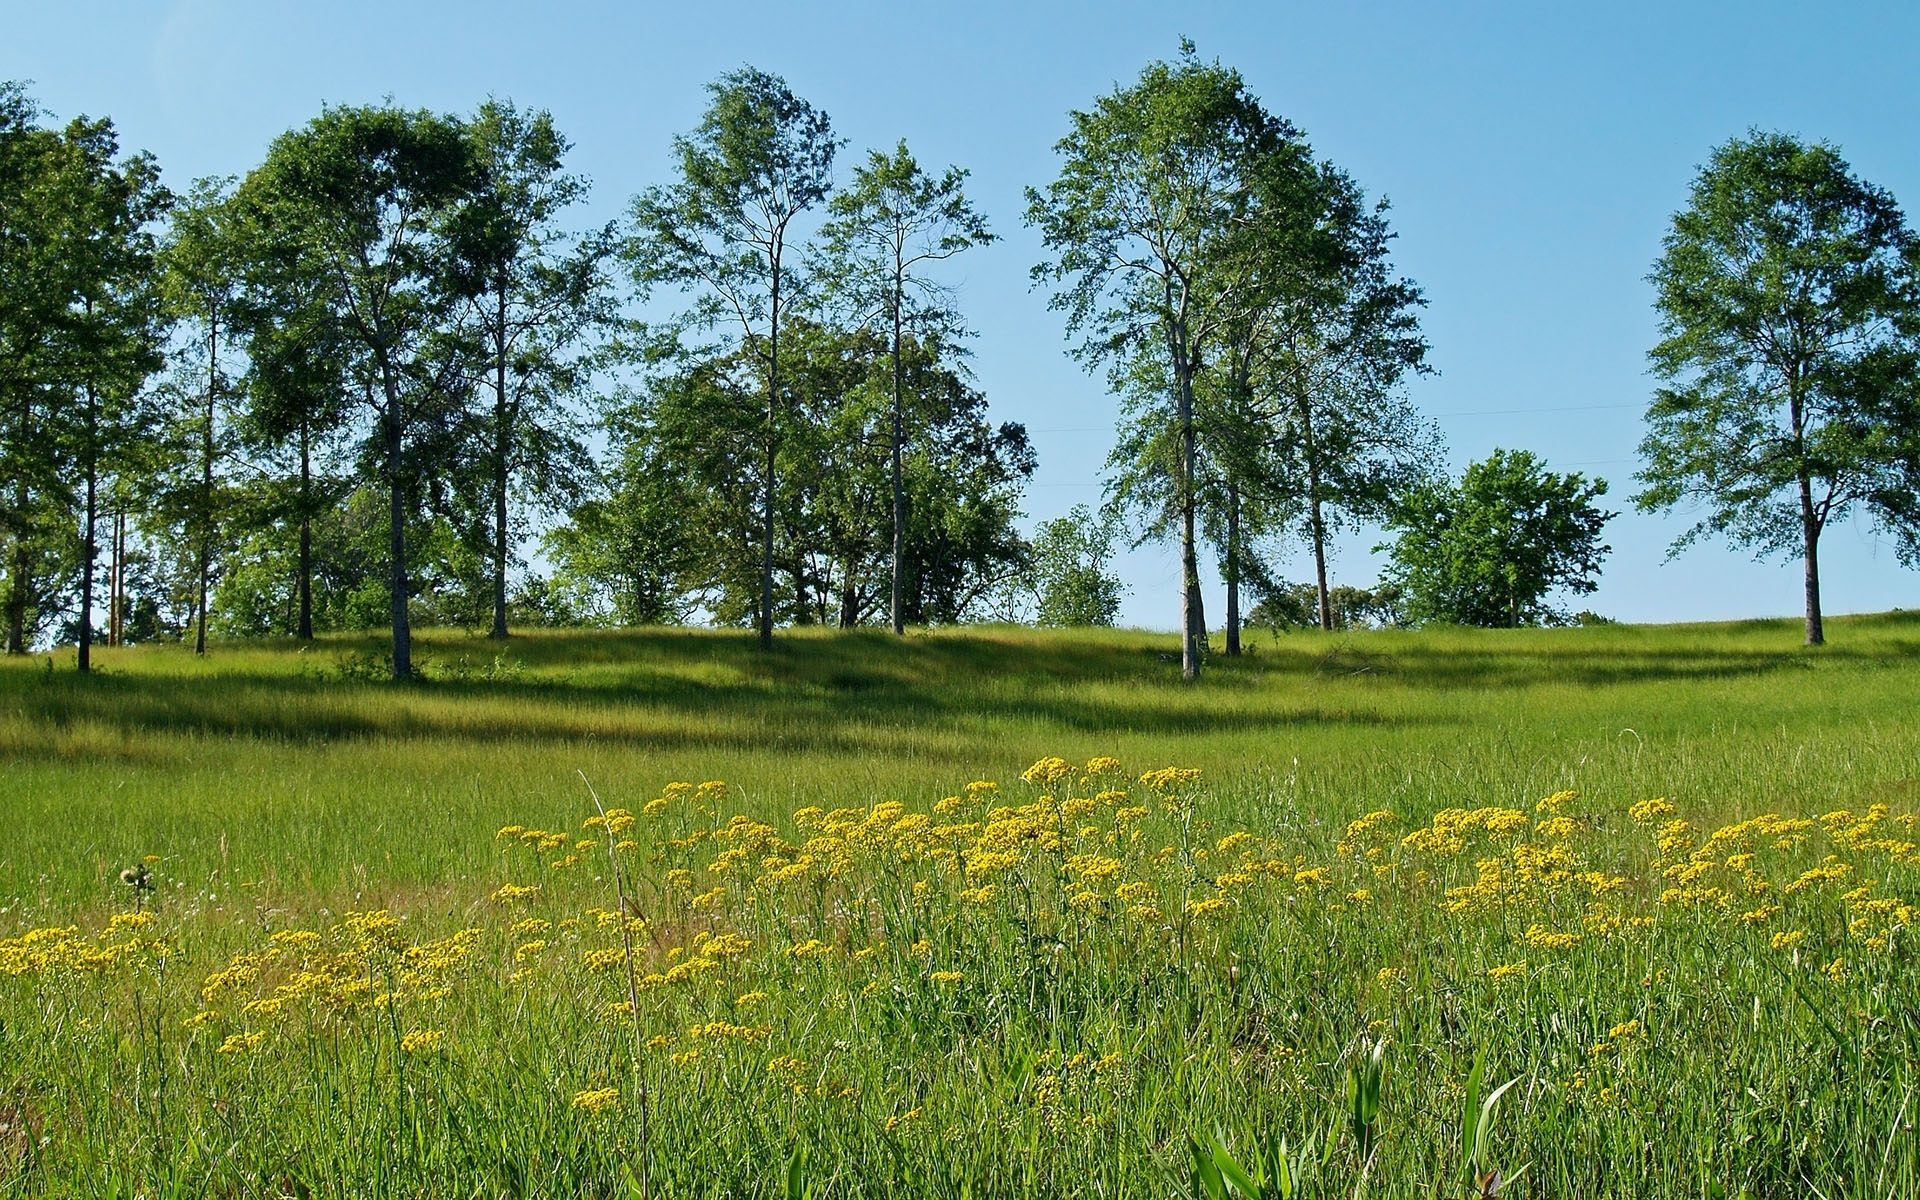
{"x":982,"y":912}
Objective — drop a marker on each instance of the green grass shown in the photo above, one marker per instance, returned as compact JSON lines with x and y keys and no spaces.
{"x":282,"y":787}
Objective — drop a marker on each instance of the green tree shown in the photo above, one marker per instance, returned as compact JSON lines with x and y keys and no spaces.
{"x":200,"y":279}
{"x":1339,"y":332}
{"x":33,"y":301}
{"x":105,"y":339}
{"x":1790,"y":317}
{"x":299,"y":395}
{"x":1145,"y":222}
{"x":889,"y":223}
{"x":535,"y":294}
{"x":1492,"y":548}
{"x":1071,"y":581}
{"x":362,"y":198}
{"x":760,"y":158}
{"x":674,"y":529}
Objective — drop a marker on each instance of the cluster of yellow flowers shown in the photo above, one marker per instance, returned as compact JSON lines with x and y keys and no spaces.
{"x":846,"y":903}
{"x":122,"y":944}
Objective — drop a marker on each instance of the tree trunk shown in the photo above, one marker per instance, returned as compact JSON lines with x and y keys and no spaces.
{"x":397,"y":533}
{"x":1191,"y":618}
{"x":899,"y":489}
{"x":113,"y":580}
{"x":17,"y":585}
{"x":205,"y":563}
{"x":303,"y":629}
{"x":1316,"y":518}
{"x":849,"y":601}
{"x":22,"y":567}
{"x":88,"y":549}
{"x":1809,"y":520}
{"x":766,"y":507}
{"x":502,"y":447}
{"x":1232,"y":572}
{"x":1810,"y":542}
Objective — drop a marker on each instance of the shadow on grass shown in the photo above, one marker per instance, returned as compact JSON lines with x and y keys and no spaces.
{"x":844,"y":691}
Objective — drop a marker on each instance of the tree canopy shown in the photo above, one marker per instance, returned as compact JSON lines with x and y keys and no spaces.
{"x":1790,"y":319}
{"x":1493,"y":548}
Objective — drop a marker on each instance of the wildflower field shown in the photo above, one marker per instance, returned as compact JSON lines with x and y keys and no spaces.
{"x":1598,"y":912}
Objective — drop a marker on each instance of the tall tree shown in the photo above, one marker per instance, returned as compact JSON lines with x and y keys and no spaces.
{"x":1491,"y":549}
{"x":201,"y":281}
{"x":109,"y":340}
{"x":33,"y":300}
{"x":535,"y":295}
{"x":1789,"y":306}
{"x":363,"y":197}
{"x":890,"y":222}
{"x":760,"y":158}
{"x":1340,"y":332}
{"x":1144,"y":221}
{"x":674,"y":531}
{"x":299,"y":393}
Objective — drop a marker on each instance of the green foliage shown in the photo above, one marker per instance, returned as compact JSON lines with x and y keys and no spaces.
{"x":1491,"y":549}
{"x":357,"y":204}
{"x":1790,"y":318}
{"x":1147,"y":225}
{"x":1071,"y":581}
{"x":259,"y":594}
{"x":1284,"y":606}
{"x":893,"y":220}
{"x":760,"y":159}
{"x":676,"y":530}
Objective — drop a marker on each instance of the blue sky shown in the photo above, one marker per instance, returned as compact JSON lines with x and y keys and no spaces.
{"x":1533,"y":155}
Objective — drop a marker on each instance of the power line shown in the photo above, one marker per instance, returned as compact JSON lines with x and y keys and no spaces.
{"x":1480,"y":412}
{"x":1508,"y":412}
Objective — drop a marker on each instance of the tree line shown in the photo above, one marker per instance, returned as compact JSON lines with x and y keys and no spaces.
{"x":1238,"y":293}
{"x":362,"y":383}
{"x":344,"y":389}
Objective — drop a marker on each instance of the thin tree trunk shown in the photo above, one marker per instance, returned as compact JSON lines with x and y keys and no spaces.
{"x":113,"y":581}
{"x":17,"y":585}
{"x":1810,"y":542}
{"x":899,"y":489}
{"x":1233,"y":571}
{"x":1809,"y":521}
{"x":303,"y":628}
{"x":397,"y":534}
{"x":1191,"y":618}
{"x":766,"y":514}
{"x":1320,"y":564}
{"x":503,"y":434}
{"x":1316,"y":518}
{"x":120,"y":577}
{"x":89,"y":549}
{"x":22,"y":560}
{"x":206,"y":485}
{"x":849,"y":600}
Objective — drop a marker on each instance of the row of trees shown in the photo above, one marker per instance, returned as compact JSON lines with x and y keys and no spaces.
{"x":1239,"y":295}
{"x":344,"y":383}
{"x":344,"y":389}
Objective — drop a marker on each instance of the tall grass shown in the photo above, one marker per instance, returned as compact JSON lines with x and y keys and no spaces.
{"x":869,"y":1021}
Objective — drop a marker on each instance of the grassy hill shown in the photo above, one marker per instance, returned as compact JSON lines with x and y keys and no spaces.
{"x":1665,"y":880}
{"x":300,"y":767}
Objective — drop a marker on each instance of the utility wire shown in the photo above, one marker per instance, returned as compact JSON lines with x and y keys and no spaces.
{"x":1480,"y":412}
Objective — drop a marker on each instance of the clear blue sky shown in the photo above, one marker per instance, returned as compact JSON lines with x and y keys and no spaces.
{"x":1533,"y":154}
